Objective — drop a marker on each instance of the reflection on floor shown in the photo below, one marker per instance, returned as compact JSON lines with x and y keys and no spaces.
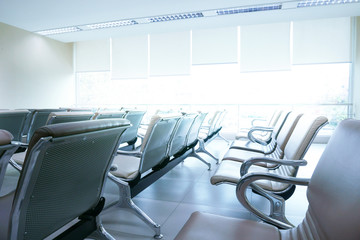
{"x":185,"y":189}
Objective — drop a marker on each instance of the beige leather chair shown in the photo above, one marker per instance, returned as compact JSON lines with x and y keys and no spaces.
{"x":257,"y":145}
{"x":61,"y":181}
{"x":333,"y":212}
{"x":300,"y":140}
{"x":276,"y":147}
{"x":260,"y":124}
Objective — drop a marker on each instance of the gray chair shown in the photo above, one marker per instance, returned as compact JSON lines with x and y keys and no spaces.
{"x":37,"y":118}
{"x":109,"y":114}
{"x":17,"y":159}
{"x":6,"y":151}
{"x":179,"y":139}
{"x":333,"y":212}
{"x":63,"y":117}
{"x":206,"y":134}
{"x":132,"y":166}
{"x":62,"y":179}
{"x":135,"y":117}
{"x":295,"y":149}
{"x":193,"y":140}
{"x":13,"y":121}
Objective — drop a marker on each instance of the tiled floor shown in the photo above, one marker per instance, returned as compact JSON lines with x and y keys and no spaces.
{"x":185,"y":189}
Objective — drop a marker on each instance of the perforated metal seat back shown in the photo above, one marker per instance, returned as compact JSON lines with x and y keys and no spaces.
{"x":178,"y":141}
{"x":135,"y":118}
{"x":62,"y":178}
{"x":13,"y":121}
{"x":157,"y":143}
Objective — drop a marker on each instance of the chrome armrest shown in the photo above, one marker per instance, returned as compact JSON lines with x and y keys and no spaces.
{"x":247,"y":163}
{"x":20,"y":144}
{"x":130,"y":153}
{"x":252,"y":138}
{"x":257,"y":119}
{"x":277,"y":206}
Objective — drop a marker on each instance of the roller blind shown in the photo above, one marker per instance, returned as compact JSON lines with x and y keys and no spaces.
{"x":170,"y":54}
{"x":265,"y":47}
{"x":322,"y":41}
{"x":92,"y":56}
{"x":130,"y":57}
{"x":218,"y":45}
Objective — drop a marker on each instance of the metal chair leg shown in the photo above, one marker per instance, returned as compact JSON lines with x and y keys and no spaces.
{"x":195,"y":155}
{"x":127,"y":203}
{"x":202,"y":149}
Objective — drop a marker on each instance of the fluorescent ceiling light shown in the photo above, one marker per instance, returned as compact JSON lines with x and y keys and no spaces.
{"x":248,"y":9}
{"x":59,"y":30}
{"x":111,"y":24}
{"x":165,"y":18}
{"x":313,"y":3}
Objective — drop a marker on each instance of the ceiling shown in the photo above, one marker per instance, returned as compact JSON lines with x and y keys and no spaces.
{"x":37,"y":15}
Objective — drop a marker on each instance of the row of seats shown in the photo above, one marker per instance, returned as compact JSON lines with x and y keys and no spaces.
{"x":332,"y":193}
{"x":51,"y":151}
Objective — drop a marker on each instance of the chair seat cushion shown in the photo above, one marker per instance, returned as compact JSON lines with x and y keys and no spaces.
{"x":214,"y":227}
{"x":5,"y":137}
{"x":19,"y":157}
{"x":229,"y":172}
{"x":240,"y":155}
{"x":127,"y":166}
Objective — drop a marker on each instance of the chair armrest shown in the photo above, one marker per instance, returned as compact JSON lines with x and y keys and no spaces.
{"x":130,"y":153}
{"x":277,"y":206}
{"x":20,"y":144}
{"x":247,"y":163}
{"x":253,"y":138}
{"x":253,"y":122}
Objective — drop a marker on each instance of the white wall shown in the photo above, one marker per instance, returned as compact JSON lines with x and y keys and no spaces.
{"x":356,"y":76}
{"x":35,"y":72}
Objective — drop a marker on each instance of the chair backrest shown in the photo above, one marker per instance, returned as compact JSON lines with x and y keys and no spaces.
{"x":109,"y":114}
{"x":213,"y":121}
{"x":135,"y":118}
{"x":218,"y":124}
{"x":38,"y":118}
{"x":13,"y":121}
{"x":299,"y":142}
{"x":6,"y":151}
{"x":274,"y":118}
{"x":195,"y":128}
{"x":63,"y":117}
{"x":155,"y":145}
{"x":283,"y":135}
{"x":178,"y":141}
{"x":63,"y":175}
{"x":333,"y":192}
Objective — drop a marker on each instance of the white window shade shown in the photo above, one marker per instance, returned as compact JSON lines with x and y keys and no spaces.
{"x":93,"y":56}
{"x":322,"y":41}
{"x":213,"y":46}
{"x":130,"y":57}
{"x":170,"y":54}
{"x":265,"y":47}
